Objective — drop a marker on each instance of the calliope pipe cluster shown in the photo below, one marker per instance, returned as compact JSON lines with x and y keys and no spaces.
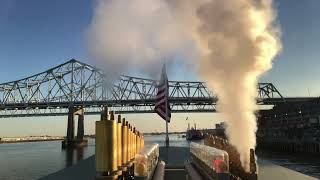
{"x":117,"y":143}
{"x":212,"y":162}
{"x":146,"y":162}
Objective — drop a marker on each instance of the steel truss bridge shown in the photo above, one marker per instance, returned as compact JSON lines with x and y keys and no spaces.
{"x":77,"y":84}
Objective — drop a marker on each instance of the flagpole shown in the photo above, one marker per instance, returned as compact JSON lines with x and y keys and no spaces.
{"x":167,"y":136}
{"x":167,"y":110}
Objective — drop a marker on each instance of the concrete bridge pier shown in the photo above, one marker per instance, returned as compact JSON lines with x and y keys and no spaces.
{"x":70,"y":126}
{"x":71,"y":141}
{"x":80,"y":132}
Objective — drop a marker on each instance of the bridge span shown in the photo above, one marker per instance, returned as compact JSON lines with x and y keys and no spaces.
{"x":75,"y":89}
{"x":76,"y":84}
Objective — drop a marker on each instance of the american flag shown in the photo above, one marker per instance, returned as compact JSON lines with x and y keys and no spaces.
{"x":162,"y":107}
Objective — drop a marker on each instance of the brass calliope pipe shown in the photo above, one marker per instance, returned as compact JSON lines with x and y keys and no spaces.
{"x":124,"y":142}
{"x":106,"y":144}
{"x":119,"y":142}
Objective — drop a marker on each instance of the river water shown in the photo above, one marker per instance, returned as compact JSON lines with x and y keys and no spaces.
{"x":33,"y":160}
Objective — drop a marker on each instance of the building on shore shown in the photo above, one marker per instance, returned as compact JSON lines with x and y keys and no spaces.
{"x":290,"y":127}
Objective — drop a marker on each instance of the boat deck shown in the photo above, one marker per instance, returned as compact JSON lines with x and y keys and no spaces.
{"x":175,"y":158}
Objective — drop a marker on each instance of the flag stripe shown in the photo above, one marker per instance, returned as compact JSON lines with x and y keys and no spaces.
{"x":162,"y":98}
{"x":160,"y":102}
{"x":161,"y":113}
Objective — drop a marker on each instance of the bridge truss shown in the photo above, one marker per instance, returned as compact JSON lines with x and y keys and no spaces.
{"x":78,"y":84}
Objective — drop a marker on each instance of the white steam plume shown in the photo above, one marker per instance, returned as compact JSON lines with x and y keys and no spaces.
{"x":239,"y":41}
{"x":136,"y":34}
{"x":236,"y":40}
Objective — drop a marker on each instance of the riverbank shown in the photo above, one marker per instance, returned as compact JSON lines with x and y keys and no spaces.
{"x":4,"y":140}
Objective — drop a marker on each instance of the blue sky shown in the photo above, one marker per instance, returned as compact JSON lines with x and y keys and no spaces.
{"x":296,"y":68}
{"x":37,"y":34}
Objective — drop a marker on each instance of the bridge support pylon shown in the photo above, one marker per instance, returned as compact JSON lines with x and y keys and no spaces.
{"x":80,"y":132}
{"x":71,"y":141}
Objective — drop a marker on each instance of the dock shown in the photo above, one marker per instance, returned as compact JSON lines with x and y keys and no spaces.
{"x":85,"y":170}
